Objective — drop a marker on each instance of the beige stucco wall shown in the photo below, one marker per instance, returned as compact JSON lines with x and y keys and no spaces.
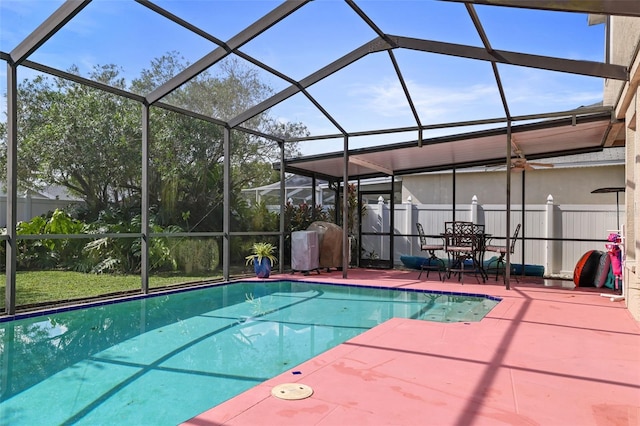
{"x":632,"y":236}
{"x":625,"y":39}
{"x":567,"y":186}
{"x":624,"y":34}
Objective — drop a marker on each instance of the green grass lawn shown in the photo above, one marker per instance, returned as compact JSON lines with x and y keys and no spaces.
{"x":43,"y":287}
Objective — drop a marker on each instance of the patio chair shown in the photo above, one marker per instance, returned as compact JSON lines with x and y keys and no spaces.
{"x":433,"y":263}
{"x":501,"y":250}
{"x":464,"y":244}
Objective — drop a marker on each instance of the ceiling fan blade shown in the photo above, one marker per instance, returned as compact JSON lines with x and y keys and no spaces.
{"x":494,"y":168}
{"x":516,"y":151}
{"x":541,"y":164}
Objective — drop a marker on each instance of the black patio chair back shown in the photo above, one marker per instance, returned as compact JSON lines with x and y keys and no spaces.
{"x":501,"y":250}
{"x":433,"y":263}
{"x":461,"y":235}
{"x":512,"y":247}
{"x":421,"y":235}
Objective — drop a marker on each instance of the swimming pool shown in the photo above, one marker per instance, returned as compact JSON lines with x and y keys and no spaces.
{"x":163,"y":359}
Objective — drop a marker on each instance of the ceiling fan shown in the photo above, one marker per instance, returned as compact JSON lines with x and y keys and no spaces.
{"x":520,"y":163}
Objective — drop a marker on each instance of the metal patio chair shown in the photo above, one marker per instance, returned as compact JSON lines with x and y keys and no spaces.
{"x":502,"y":251}
{"x":434,"y":263}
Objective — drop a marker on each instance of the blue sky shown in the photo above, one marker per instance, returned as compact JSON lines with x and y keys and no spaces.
{"x":364,"y":96}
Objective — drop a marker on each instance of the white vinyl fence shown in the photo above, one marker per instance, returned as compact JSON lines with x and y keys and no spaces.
{"x":556,"y":236}
{"x":29,"y":207}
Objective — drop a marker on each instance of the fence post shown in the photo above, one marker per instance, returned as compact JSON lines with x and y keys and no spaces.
{"x":381,"y":215}
{"x":549,"y":245}
{"x":474,"y":209}
{"x":409,"y":224}
{"x":28,"y":206}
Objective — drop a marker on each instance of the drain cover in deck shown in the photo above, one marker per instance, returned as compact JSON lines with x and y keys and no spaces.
{"x":292,"y":391}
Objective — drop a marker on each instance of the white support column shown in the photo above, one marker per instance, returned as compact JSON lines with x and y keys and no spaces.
{"x":474,"y":209}
{"x":409,"y":227}
{"x":319,"y":200}
{"x":382,"y":223}
{"x":549,"y":252}
{"x":28,"y":206}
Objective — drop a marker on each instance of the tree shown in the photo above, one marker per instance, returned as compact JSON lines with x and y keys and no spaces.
{"x":78,"y":137}
{"x":187,"y":153}
{"x":90,"y":141}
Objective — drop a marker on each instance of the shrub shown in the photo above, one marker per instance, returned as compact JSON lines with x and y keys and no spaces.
{"x":47,"y":252}
{"x":196,"y":255}
{"x":264,"y":220}
{"x":298,"y":218}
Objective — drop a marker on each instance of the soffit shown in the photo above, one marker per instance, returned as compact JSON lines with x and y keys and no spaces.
{"x":535,"y":141}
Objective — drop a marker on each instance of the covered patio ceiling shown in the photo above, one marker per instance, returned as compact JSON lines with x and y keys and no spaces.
{"x":573,"y":135}
{"x":411,"y":49}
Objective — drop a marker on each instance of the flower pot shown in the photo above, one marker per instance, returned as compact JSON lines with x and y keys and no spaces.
{"x":262,"y":268}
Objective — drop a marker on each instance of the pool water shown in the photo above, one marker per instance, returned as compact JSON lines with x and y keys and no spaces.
{"x":163,"y":359}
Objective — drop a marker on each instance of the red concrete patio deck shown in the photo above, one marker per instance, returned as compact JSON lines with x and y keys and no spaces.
{"x":545,"y":355}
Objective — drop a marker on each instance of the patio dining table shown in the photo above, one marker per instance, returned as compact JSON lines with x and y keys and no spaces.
{"x":464,"y":242}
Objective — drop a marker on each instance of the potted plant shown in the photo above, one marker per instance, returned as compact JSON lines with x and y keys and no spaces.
{"x":263,"y":258}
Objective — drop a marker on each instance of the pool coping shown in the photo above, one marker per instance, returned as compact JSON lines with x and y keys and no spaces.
{"x":110,"y":301}
{"x":536,"y":358}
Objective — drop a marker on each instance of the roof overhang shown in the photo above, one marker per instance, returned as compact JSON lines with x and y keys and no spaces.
{"x":544,"y":139}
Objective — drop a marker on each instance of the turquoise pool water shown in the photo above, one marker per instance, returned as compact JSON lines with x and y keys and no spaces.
{"x":163,"y":359}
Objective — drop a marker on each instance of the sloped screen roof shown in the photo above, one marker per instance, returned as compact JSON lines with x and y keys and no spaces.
{"x":375,"y":72}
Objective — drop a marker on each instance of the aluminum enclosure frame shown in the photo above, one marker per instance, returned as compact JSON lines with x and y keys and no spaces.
{"x":350,"y":158}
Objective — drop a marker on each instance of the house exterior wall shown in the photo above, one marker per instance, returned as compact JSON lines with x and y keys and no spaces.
{"x":632,"y":233}
{"x":625,"y":37}
{"x":567,"y":185}
{"x":624,"y":34}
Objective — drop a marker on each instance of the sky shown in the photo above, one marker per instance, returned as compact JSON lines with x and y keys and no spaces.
{"x":365,"y":95}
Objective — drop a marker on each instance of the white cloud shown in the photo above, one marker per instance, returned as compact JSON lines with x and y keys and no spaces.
{"x":433,"y":103}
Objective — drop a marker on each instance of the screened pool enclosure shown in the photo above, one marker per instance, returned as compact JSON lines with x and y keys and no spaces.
{"x":158,"y":113}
